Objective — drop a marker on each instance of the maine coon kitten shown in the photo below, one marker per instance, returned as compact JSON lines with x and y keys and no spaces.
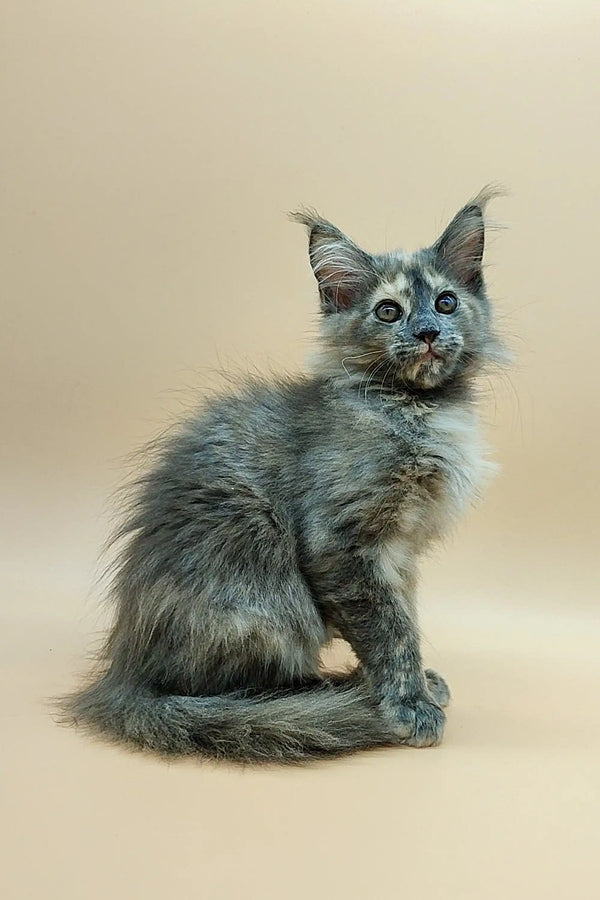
{"x":294,"y":510}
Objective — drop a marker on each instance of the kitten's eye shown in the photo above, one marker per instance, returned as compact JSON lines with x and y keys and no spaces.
{"x":446,"y":303}
{"x":388,"y":311}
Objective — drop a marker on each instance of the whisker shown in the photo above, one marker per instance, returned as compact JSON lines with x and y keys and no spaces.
{"x":360,"y":356}
{"x":373,"y":374}
{"x":382,"y":385}
{"x":375,"y":362}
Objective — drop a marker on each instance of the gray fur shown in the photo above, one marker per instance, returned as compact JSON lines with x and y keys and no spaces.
{"x":286,"y":512}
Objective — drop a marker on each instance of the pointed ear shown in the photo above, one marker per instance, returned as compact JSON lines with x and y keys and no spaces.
{"x":460,"y":248}
{"x":343,"y":271}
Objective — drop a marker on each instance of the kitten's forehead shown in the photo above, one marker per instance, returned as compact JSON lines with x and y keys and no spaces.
{"x":407,"y":278}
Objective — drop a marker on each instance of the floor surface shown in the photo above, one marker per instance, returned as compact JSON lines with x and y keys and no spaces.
{"x":508,"y":806}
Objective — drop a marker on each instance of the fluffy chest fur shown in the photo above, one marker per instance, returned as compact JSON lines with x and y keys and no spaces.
{"x":449,"y":465}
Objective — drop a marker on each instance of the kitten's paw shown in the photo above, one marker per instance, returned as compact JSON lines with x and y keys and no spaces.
{"x":419,"y":723}
{"x":438,"y":687}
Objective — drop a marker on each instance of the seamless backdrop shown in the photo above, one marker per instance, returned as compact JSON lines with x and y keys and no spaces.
{"x":150,"y":152}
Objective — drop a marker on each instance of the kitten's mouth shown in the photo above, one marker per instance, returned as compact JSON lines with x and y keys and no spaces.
{"x":430,"y":354}
{"x":427,"y":367}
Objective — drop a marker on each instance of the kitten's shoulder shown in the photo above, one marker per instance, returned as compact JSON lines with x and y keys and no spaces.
{"x":254,"y":410}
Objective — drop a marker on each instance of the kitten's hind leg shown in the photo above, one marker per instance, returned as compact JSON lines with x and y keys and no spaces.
{"x":438,"y":687}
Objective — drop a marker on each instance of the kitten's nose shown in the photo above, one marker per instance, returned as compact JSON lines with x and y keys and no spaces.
{"x":428,"y":335}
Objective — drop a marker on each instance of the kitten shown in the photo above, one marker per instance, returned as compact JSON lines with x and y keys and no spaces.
{"x":288,"y":512}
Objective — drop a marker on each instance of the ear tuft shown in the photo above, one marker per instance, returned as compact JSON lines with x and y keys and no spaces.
{"x":341,"y":268}
{"x":460,"y":248}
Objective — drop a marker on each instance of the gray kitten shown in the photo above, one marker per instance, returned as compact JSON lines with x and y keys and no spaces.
{"x":290,"y":512}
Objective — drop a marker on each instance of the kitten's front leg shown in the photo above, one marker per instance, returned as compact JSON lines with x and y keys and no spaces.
{"x":378,"y":622}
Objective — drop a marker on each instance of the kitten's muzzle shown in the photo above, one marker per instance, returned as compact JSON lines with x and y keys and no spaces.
{"x":427,"y":334}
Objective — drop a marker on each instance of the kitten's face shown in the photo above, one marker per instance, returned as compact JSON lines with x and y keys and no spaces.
{"x":417,"y":320}
{"x":416,"y":326}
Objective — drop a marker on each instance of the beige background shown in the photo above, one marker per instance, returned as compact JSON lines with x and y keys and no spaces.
{"x":151,"y":149}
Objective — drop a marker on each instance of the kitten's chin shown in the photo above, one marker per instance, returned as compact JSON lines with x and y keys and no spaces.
{"x":426,"y":373}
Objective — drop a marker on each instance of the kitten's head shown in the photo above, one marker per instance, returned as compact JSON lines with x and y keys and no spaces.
{"x":417,"y":320}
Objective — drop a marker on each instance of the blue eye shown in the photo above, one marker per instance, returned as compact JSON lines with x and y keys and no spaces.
{"x":446,"y":303}
{"x":388,"y":311}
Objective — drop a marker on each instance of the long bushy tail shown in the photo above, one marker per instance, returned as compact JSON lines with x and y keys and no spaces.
{"x":331,"y":718}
